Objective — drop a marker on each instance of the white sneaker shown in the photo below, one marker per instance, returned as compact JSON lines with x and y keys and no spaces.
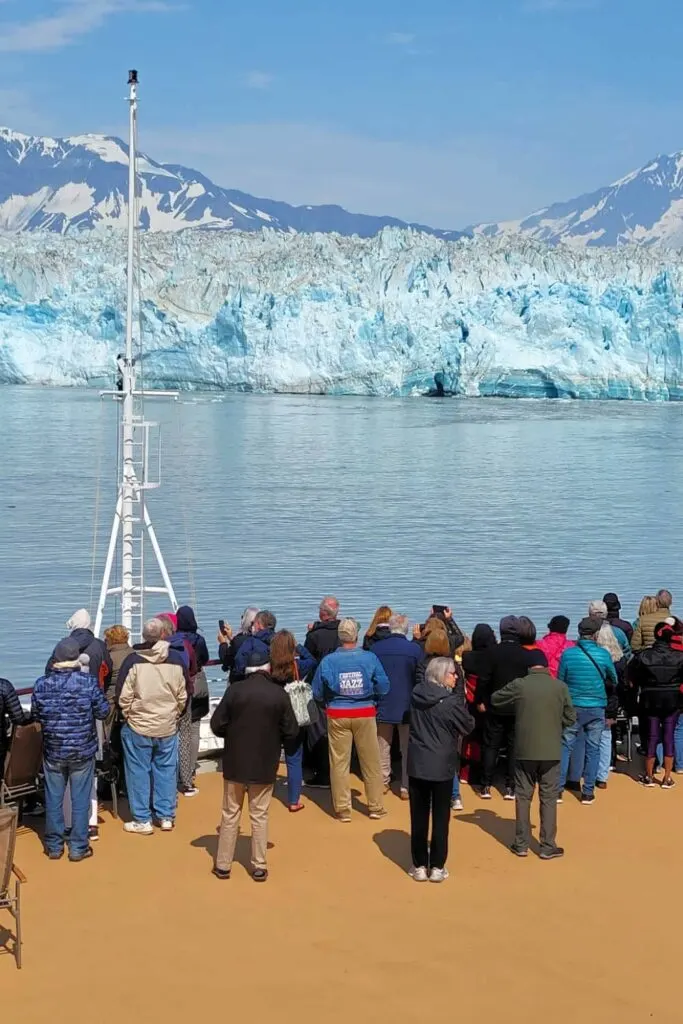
{"x":418,"y":874}
{"x":457,"y":805}
{"x":438,"y":875}
{"x":166,"y":825}
{"x":191,"y":792}
{"x":140,"y":828}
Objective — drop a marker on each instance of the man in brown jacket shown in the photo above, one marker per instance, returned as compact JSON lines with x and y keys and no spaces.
{"x":644,"y":632}
{"x":152,"y":697}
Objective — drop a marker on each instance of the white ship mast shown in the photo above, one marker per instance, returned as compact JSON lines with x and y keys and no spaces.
{"x":131,"y":518}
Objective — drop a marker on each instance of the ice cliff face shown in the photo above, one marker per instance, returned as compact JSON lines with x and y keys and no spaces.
{"x":328,"y":314}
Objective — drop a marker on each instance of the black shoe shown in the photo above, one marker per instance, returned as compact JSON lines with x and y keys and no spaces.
{"x":219,"y":873}
{"x":84,"y":856}
{"x":485,"y":793}
{"x":552,"y":854}
{"x":93,"y":833}
{"x":573,"y":787}
{"x":647,"y":781}
{"x":260,"y":875}
{"x":588,"y":798}
{"x":509,"y":793}
{"x":601,"y":785}
{"x":54,"y":854}
{"x":318,"y":783}
{"x":518,"y":852}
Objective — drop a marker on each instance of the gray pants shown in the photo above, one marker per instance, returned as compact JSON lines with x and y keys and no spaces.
{"x":186,"y":758}
{"x":547,"y":775}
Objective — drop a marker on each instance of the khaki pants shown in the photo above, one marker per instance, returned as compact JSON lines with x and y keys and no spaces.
{"x":342,"y":734}
{"x":259,"y":802}
{"x":385,"y":734}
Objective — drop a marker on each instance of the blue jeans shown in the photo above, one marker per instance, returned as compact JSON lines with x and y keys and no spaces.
{"x":151,"y":765}
{"x":455,"y":792}
{"x":78,"y":775}
{"x":678,"y":744}
{"x":590,"y":722}
{"x":295,"y":774}
{"x":605,"y":756}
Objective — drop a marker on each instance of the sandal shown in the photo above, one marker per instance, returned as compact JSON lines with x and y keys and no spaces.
{"x":295,"y":808}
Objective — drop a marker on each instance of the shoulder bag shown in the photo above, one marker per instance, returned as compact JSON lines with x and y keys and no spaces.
{"x":301,"y":698}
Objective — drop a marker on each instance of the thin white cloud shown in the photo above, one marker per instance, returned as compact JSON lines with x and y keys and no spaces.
{"x":400,"y":38}
{"x":258,"y":80}
{"x":71,"y":20}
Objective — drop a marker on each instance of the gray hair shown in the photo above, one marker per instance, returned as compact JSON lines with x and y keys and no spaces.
{"x":247,"y":620}
{"x":329,"y":608}
{"x":606,"y":637}
{"x":399,"y":623}
{"x":438,"y":669}
{"x":597,"y":610}
{"x":264,"y":620}
{"x":664,"y":599}
{"x":153,"y":630}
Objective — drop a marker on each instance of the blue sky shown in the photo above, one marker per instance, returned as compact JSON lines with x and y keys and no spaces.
{"x":447,"y":111}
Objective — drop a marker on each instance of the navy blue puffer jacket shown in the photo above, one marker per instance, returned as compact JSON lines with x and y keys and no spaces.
{"x":66,"y":702}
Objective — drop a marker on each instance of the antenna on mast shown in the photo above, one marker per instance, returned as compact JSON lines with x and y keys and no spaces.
{"x":131,"y":517}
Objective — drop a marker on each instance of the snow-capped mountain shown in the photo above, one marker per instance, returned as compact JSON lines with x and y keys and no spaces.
{"x":80,"y":184}
{"x":645,"y":207}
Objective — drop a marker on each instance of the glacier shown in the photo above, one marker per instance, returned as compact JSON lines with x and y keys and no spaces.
{"x":328,"y":314}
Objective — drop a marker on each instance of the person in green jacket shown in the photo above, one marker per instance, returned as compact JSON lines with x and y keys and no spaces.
{"x":543,"y":709}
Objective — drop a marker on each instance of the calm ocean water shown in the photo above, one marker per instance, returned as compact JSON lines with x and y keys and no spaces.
{"x":491,"y":506}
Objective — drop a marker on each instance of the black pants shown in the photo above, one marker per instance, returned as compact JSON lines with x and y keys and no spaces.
{"x":527,"y":775}
{"x":425,"y":798}
{"x":497,"y":730}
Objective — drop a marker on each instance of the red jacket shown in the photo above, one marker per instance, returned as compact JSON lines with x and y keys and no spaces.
{"x":553,"y":646}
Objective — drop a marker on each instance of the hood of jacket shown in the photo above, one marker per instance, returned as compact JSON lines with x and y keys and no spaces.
{"x":186,"y":621}
{"x":427,"y":695}
{"x":483,"y":637}
{"x":83,"y":637}
{"x":510,"y":629}
{"x":157,"y":653}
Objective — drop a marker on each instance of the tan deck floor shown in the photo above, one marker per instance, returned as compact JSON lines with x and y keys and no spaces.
{"x":143,"y":931}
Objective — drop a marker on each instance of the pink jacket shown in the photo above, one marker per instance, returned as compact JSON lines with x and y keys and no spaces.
{"x":553,"y":646}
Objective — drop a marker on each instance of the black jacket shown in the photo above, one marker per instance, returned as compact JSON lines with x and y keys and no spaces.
{"x":657,"y":672}
{"x":437,"y":718}
{"x":508,"y":661}
{"x":323,"y":638}
{"x":255,"y":719}
{"x":381,"y":633}
{"x":10,"y":709}
{"x":227,"y":652}
{"x":96,"y":650}
{"x":625,"y":627}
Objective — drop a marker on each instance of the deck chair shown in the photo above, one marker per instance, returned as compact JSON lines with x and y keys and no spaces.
{"x":23,"y":764}
{"x":9,"y":817}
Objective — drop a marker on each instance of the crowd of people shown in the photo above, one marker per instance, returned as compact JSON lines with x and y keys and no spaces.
{"x":430,"y":706}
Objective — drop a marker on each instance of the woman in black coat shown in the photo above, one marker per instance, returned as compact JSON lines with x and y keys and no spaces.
{"x":657,"y":672}
{"x":438,"y":717}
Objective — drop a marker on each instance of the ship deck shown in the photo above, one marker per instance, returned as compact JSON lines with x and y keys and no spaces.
{"x":143,"y":931}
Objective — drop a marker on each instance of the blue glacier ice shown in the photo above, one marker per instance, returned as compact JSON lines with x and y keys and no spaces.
{"x":278,"y":312}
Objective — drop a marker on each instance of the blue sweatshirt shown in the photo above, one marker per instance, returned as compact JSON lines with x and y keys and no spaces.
{"x":349,"y":682}
{"x":586,"y":682}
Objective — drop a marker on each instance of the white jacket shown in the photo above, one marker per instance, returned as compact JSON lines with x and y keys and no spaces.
{"x":153,"y":695}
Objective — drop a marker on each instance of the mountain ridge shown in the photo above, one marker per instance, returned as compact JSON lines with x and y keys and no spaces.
{"x":79,"y":183}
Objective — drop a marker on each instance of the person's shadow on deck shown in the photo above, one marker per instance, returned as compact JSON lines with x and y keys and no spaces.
{"x":395,"y":846}
{"x":501,"y":829}
{"x":209,"y":843}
